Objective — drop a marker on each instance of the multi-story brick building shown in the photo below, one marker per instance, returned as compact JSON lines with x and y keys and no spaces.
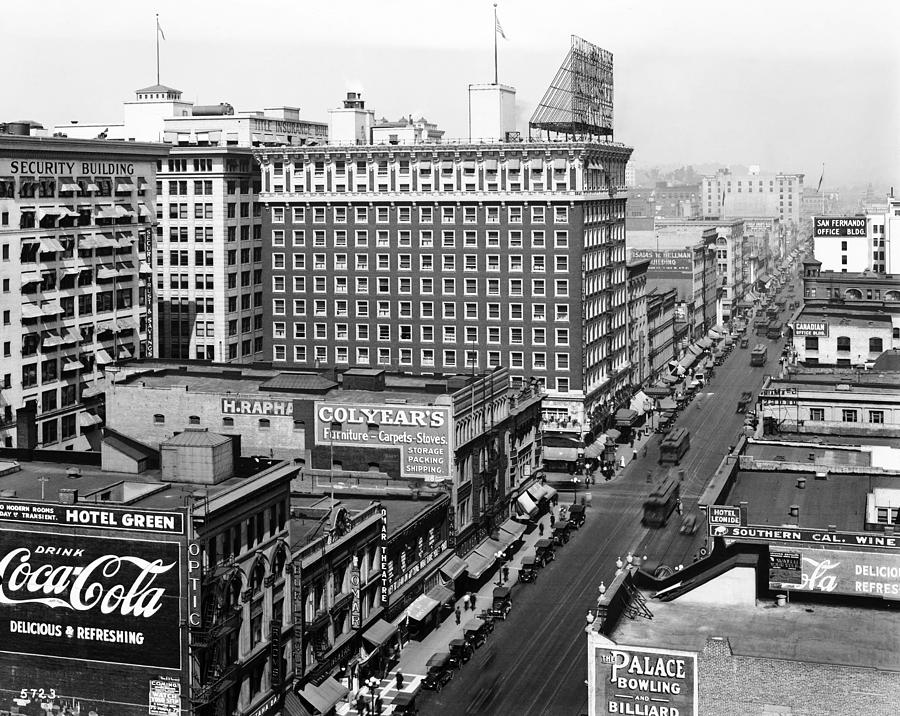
{"x":660,"y":329}
{"x":638,"y":333}
{"x":432,"y":258}
{"x":75,"y":222}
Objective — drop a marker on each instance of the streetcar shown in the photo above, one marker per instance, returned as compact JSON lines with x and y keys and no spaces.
{"x":759,"y":355}
{"x":674,"y":445}
{"x":660,"y":503}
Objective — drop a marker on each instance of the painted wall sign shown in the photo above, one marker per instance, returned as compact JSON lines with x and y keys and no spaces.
{"x":66,"y":168}
{"x":164,"y":697}
{"x":723,"y":515}
{"x":106,"y":518}
{"x":421,"y":433}
{"x":103,"y":599}
{"x":869,"y":574}
{"x":809,"y":328}
{"x":839,"y":226}
{"x":642,"y":682}
{"x":798,"y":535}
{"x":237,"y":406}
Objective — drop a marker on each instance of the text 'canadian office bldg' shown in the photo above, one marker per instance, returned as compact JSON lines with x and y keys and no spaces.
{"x":75,"y":219}
{"x":432,"y":258}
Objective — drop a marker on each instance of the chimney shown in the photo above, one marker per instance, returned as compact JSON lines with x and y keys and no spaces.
{"x":801,"y":483}
{"x":68,"y":496}
{"x":795,"y":511}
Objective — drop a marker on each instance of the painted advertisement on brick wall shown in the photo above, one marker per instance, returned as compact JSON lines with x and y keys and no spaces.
{"x":420,"y":433}
{"x":641,"y":682}
{"x":868,"y":574}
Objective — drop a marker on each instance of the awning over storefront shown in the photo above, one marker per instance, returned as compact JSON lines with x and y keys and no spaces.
{"x":562,"y":454}
{"x":625,"y":418}
{"x":595,"y":449}
{"x":453,"y":568}
{"x":687,"y":361}
{"x":421,"y":607}
{"x":526,"y":506}
{"x":293,"y":706}
{"x":513,"y":529}
{"x":379,"y":632}
{"x":671,"y":379}
{"x":695,"y":349}
{"x":612,"y":435}
{"x":440,"y":594}
{"x":323,"y":698}
{"x":658,"y":391}
{"x":705,"y":343}
{"x":668,"y":404}
{"x":640,"y":403}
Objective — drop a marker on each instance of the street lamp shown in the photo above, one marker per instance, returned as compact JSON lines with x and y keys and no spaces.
{"x":575,"y":492}
{"x":500,"y":557}
{"x":43,"y":480}
{"x":589,"y":618}
{"x":373,"y":684}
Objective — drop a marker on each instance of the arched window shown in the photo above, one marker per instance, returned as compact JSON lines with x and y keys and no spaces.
{"x":279,"y":560}
{"x":227,"y":422}
{"x":159,"y":419}
{"x":843,"y":344}
{"x":892,"y":295}
{"x":853,"y":293}
{"x":875,"y":345}
{"x":194,"y":419}
{"x":257,"y":576}
{"x":234,"y":591}
{"x":264,"y":423}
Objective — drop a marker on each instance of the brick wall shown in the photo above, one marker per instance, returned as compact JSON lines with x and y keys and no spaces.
{"x":739,"y":685}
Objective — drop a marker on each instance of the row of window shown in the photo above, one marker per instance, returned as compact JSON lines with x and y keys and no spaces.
{"x":426,"y":214}
{"x":46,"y":187}
{"x":513,"y":239}
{"x":876,"y":345}
{"x":469,"y":310}
{"x":427,"y":359}
{"x":848,"y":415}
{"x":404,"y":286}
{"x":427,"y":334}
{"x":426,"y":262}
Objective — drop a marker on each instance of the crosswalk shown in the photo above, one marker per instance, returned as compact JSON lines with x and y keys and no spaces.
{"x":387,"y":690}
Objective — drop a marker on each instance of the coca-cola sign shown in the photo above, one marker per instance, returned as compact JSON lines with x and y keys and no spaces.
{"x":870,"y":574}
{"x":91,"y":598}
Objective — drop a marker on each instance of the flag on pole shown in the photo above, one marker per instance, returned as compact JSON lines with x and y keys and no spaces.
{"x":499,"y":28}
{"x":821,"y":177}
{"x":159,"y":29}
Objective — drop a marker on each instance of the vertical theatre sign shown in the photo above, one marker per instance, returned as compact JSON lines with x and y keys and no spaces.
{"x":355,"y":616}
{"x":385,"y":574}
{"x":297,"y":606}
{"x":641,"y":681}
{"x":275,"y":653}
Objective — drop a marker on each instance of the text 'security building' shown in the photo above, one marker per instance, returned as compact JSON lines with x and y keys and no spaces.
{"x":436,"y":257}
{"x":75,"y":221}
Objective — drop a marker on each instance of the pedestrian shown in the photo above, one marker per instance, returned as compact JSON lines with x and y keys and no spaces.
{"x":473,"y":601}
{"x":457,"y":612}
{"x":634,"y":454}
{"x":466,"y":601}
{"x":541,"y":529}
{"x":505,"y":573}
{"x":360,"y":703}
{"x":679,"y":506}
{"x":378,"y":705}
{"x":400,"y":679}
{"x":552,"y":520}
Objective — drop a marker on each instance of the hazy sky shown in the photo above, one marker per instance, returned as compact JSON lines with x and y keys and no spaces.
{"x":787,"y":84}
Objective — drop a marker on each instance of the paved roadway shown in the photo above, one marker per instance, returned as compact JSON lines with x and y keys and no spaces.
{"x":535,"y":663}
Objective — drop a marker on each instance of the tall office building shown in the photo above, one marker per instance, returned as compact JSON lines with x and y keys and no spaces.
{"x":75,"y":221}
{"x":208,"y":270}
{"x":450,"y":257}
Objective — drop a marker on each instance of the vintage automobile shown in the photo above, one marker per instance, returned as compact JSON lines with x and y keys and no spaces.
{"x":528,"y":570}
{"x":404,"y":703}
{"x":501,"y":604}
{"x":475,"y":633}
{"x":460,"y":652}
{"x":745,"y":341}
{"x":688,"y":525}
{"x":576,"y":516}
{"x":744,"y":401}
{"x":561,"y":532}
{"x":543,"y":551}
{"x":440,"y":671}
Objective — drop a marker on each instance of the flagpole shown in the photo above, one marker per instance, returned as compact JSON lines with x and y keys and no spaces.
{"x":157,"y":48}
{"x":495,"y":44}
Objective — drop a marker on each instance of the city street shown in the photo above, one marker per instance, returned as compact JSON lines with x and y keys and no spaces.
{"x":535,"y":662}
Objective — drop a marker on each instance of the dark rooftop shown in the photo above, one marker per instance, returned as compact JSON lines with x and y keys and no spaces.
{"x":298,"y":382}
{"x":838,"y":500}
{"x":196,"y":437}
{"x":316,"y":511}
{"x":888,"y":361}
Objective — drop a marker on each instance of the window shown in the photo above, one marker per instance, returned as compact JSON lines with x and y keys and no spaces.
{"x":875,"y":345}
{"x":159,"y":419}
{"x":194,"y":420}
{"x":843,"y":344}
{"x":876,"y":416}
{"x":264,"y":423}
{"x":812,"y":343}
{"x":848,"y":415}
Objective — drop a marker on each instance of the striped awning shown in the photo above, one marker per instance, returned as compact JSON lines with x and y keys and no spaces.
{"x":31,"y":310}
{"x":50,"y":245}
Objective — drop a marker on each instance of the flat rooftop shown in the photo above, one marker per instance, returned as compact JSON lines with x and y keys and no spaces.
{"x":839,"y":499}
{"x":850,"y":382}
{"x":852,"y":636}
{"x":399,"y":512}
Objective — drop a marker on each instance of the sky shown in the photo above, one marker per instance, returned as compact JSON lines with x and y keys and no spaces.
{"x":785,"y":84}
